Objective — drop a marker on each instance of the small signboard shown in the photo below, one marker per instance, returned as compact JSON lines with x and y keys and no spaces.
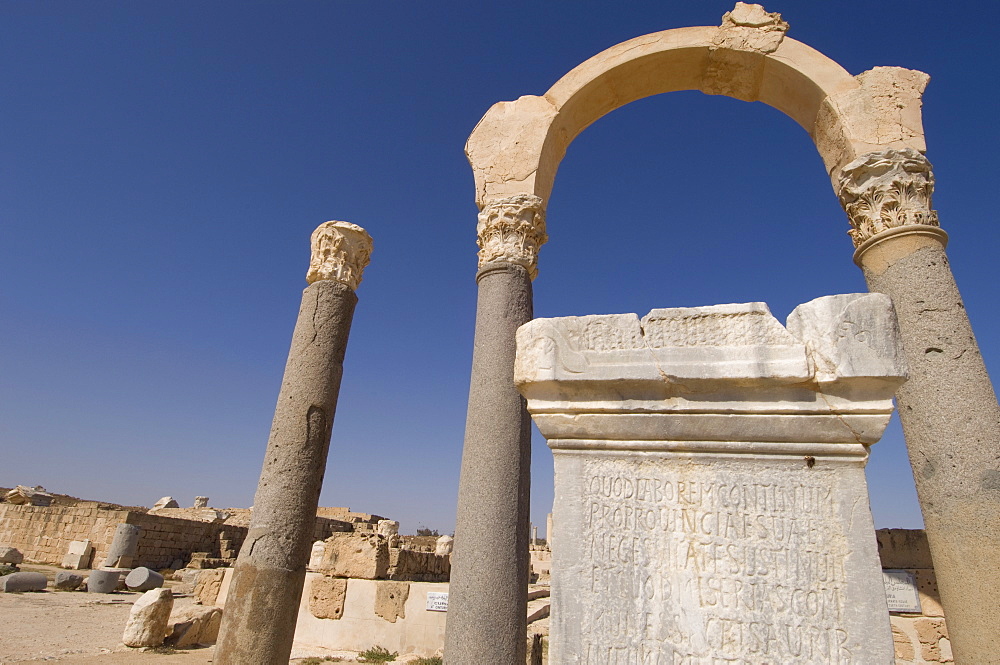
{"x":900,"y":591}
{"x":437,"y":601}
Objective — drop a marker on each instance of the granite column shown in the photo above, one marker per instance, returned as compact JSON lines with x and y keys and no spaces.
{"x":489,"y":575}
{"x":258,"y":624}
{"x":948,"y":407}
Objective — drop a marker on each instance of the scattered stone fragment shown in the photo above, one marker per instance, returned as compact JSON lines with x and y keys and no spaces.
{"x":10,"y":555}
{"x":206,"y":589}
{"x":16,"y":582}
{"x":103,"y":581}
{"x":28,"y":496}
{"x":192,"y":625}
{"x":444,"y":545}
{"x":143,"y":579}
{"x":316,"y":555}
{"x":200,"y":502}
{"x":67,"y":581}
{"x":147,"y":623}
{"x":79,"y":555}
{"x":166,"y":502}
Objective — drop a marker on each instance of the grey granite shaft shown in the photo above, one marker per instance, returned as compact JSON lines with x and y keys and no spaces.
{"x":951,"y":421}
{"x":261,"y":610}
{"x":487,"y":604}
{"x":124,"y":546}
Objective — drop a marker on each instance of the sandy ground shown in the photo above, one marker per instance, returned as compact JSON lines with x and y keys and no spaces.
{"x":76,"y":627}
{"x":79,"y":628}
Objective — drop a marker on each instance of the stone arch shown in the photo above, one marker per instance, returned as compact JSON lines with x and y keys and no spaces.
{"x":517,"y":147}
{"x":868,"y":131}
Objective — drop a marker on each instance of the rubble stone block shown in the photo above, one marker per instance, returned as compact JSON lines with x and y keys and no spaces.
{"x":209,"y":583}
{"x":67,"y":581}
{"x":147,"y":623}
{"x":194,"y":625}
{"x":11,"y":555}
{"x":364,"y":556}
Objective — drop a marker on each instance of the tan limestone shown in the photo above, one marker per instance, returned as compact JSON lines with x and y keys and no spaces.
{"x":326,"y":597}
{"x":365,"y":556}
{"x":390,"y":600}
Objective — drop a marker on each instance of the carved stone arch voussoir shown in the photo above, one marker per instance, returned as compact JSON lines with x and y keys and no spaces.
{"x":517,"y":147}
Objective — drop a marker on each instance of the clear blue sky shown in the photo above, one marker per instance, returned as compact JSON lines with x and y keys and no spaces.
{"x":162,"y":165}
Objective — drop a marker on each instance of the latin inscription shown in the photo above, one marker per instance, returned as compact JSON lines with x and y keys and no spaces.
{"x":710,"y":565}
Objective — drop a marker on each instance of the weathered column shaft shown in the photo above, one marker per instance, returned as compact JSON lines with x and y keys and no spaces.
{"x":948,"y":408}
{"x":489,"y":574}
{"x":262,"y":606}
{"x":487,"y":603}
{"x":951,"y":422}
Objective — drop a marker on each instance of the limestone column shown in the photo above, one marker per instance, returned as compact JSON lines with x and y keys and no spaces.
{"x":261,"y":609}
{"x":948,"y":408}
{"x":489,"y":574}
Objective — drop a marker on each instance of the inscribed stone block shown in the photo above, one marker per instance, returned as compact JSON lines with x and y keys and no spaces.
{"x":709,"y":464}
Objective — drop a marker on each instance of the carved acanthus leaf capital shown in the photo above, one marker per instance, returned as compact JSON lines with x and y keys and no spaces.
{"x":885,"y":190}
{"x":340,"y":252}
{"x":511,"y":230}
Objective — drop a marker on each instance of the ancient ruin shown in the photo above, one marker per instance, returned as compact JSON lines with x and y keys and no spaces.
{"x":868,"y":131}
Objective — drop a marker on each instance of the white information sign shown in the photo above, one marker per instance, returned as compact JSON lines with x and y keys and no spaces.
{"x":901,"y":591}
{"x":437,"y":601}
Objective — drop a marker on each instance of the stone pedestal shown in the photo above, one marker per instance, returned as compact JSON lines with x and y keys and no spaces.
{"x":710,"y":499}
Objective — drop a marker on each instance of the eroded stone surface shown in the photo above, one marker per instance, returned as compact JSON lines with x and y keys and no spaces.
{"x":390,"y":600}
{"x":193,"y":625}
{"x":316,"y":555}
{"x":340,"y":252}
{"x":147,"y":623}
{"x":326,"y":597}
{"x":67,"y":581}
{"x":209,"y":583}
{"x":444,"y":545}
{"x":11,"y":555}
{"x":356,"y":555}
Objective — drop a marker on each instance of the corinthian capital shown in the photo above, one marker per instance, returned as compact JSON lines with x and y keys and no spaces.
{"x":340,"y":251}
{"x":511,"y":230}
{"x":885,"y":190}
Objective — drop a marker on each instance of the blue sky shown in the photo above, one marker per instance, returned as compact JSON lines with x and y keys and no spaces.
{"x":162,"y":165}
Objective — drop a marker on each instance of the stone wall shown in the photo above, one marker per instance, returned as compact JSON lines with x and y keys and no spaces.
{"x":922,"y":637}
{"x":43,"y":534}
{"x":167,"y":539}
